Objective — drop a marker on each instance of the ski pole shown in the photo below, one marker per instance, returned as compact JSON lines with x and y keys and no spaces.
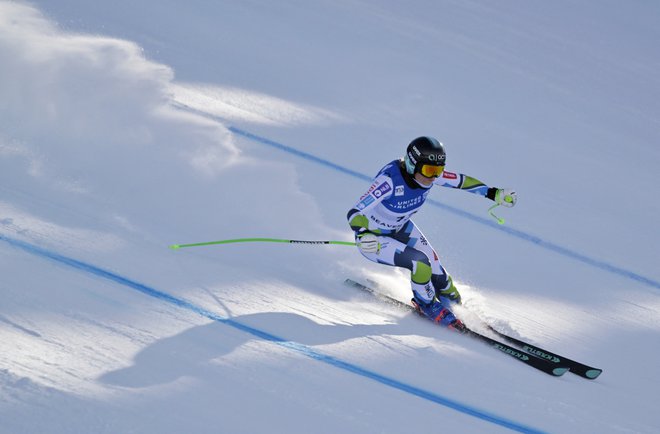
{"x":265,"y":240}
{"x":490,"y":211}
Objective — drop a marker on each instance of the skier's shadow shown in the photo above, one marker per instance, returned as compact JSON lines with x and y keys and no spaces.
{"x":191,"y":353}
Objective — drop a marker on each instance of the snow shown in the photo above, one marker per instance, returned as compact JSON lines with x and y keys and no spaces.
{"x":126,"y":127}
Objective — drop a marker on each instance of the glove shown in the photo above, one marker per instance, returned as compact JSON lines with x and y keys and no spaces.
{"x":368,"y":243}
{"x":505,"y":197}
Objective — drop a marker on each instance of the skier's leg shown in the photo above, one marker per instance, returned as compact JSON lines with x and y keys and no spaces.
{"x":395,"y":253}
{"x":442,"y":282}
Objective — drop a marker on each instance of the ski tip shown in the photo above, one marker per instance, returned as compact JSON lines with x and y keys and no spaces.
{"x":593,"y":373}
{"x":175,"y":246}
{"x":557,"y":372}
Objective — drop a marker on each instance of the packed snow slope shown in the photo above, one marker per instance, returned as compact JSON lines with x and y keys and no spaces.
{"x":129,"y":126}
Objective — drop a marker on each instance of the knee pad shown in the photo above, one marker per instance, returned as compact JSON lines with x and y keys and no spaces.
{"x":421,"y":271}
{"x":417,"y":262}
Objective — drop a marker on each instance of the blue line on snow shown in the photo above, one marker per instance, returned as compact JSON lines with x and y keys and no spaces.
{"x":294,"y":346}
{"x":475,"y":218}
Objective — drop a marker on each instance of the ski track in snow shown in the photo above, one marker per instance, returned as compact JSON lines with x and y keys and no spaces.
{"x":261,"y":334}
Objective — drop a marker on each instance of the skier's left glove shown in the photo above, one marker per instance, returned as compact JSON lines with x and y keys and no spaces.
{"x":368,"y":243}
{"x":502,"y":196}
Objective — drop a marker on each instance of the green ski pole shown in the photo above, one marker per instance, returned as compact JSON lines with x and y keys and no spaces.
{"x":490,"y":211}
{"x":263,"y":240}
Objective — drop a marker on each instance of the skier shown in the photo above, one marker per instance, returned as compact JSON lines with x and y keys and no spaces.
{"x":384,"y":232}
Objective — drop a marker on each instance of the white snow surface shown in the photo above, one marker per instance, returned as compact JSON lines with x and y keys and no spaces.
{"x":126,"y":127}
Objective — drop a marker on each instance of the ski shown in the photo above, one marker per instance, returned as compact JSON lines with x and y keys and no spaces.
{"x":577,"y":368}
{"x":551,"y":368}
{"x":527,"y":358}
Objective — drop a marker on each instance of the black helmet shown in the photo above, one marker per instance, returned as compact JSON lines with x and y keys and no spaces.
{"x":424,"y":151}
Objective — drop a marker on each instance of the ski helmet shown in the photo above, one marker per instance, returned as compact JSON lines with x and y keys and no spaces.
{"x":425,"y":155}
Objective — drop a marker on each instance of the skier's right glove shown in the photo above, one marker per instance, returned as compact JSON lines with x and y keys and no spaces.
{"x":502,"y":196}
{"x":368,"y":243}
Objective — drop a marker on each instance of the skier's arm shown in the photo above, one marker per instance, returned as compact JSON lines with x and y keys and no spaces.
{"x":462,"y":182}
{"x":506,"y":197}
{"x":380,"y":189}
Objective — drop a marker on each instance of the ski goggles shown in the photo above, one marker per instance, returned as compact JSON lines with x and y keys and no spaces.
{"x":431,"y":171}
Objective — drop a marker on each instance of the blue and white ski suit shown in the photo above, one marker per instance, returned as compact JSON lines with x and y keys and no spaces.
{"x":386,"y":210}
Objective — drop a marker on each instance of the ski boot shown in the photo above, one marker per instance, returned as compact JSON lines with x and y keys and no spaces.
{"x":438,"y":313}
